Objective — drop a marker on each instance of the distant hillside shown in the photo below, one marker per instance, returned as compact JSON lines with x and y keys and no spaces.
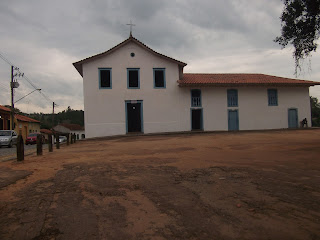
{"x":66,"y":116}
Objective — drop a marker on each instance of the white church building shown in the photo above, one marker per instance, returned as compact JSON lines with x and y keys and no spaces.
{"x":132,"y":88}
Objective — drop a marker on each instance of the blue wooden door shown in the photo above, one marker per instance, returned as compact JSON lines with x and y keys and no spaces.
{"x":233,"y":120}
{"x":292,"y":118}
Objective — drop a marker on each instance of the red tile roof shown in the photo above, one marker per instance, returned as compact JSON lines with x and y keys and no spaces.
{"x":78,"y":65}
{"x":19,"y":117}
{"x":72,"y":126}
{"x":25,"y":119}
{"x":5,"y":108}
{"x":46,"y":131}
{"x":239,"y":79}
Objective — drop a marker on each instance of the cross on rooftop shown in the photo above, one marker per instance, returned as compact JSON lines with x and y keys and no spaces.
{"x":131,"y":25}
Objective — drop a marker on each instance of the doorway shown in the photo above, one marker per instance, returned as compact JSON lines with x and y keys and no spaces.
{"x":134,"y":116}
{"x":292,"y":118}
{"x":233,"y":120}
{"x":196,"y":119}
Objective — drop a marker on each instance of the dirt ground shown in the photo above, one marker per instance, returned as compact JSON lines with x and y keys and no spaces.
{"x":258,"y":185}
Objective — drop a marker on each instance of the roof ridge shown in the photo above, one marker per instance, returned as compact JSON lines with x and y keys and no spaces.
{"x":25,"y":118}
{"x":233,"y":79}
{"x":78,"y":64}
{"x":229,"y":73}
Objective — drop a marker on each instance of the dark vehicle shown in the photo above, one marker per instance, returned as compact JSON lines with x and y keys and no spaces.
{"x":8,"y":138}
{"x":32,"y":138}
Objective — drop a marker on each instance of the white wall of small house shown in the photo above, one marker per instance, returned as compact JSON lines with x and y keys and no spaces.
{"x":168,"y":110}
{"x":78,"y":133}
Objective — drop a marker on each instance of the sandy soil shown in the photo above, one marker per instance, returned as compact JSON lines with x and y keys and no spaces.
{"x":259,"y":185}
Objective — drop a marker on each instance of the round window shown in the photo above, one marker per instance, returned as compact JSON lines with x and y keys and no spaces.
{"x":132,"y":54}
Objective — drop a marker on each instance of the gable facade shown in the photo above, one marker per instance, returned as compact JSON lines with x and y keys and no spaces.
{"x":132,"y":88}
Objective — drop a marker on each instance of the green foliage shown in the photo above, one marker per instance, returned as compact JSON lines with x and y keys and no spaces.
{"x":315,"y":112}
{"x":15,"y":110}
{"x":66,"y":116}
{"x":300,"y":28}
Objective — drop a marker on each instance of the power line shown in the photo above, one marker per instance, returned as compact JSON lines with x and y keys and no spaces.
{"x":6,"y":60}
{"x":26,"y":78}
{"x":29,"y":81}
{"x":4,"y":85}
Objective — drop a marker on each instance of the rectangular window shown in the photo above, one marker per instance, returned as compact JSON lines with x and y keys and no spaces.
{"x":105,"y":78}
{"x":133,"y":78}
{"x":159,"y":78}
{"x":272,"y":97}
{"x":232,"y":97}
{"x":195,"y":98}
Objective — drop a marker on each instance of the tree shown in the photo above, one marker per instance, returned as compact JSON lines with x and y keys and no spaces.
{"x":300,"y":28}
{"x":66,"y":116}
{"x":315,"y":111}
{"x":15,"y":110}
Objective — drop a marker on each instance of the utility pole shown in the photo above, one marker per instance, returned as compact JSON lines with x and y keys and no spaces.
{"x":14,"y":84}
{"x":12,"y":102}
{"x":52,"y":115}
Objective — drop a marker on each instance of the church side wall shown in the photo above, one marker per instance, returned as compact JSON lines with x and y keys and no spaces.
{"x":254,"y":112}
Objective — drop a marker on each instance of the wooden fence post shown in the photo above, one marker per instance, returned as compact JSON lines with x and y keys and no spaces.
{"x":39,"y":144}
{"x":68,"y":138}
{"x":71,"y":138}
{"x":50,"y":143}
{"x":20,"y":148}
{"x":57,"y":141}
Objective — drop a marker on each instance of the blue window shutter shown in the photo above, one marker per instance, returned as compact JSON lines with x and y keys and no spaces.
{"x":232,"y":95}
{"x":105,"y":78}
{"x":272,"y":97}
{"x":133,"y":78}
{"x":159,"y":78}
{"x":196,"y":98}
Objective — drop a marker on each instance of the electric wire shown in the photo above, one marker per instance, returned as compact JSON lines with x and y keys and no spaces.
{"x":6,"y":60}
{"x":26,"y":78}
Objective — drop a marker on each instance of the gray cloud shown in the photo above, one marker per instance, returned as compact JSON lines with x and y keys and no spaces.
{"x":44,"y":37}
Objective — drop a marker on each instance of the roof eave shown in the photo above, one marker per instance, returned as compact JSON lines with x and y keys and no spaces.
{"x":78,"y":65}
{"x":245,"y":84}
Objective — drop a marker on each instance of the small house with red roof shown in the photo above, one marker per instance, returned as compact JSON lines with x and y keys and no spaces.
{"x":46,"y":133}
{"x":132,"y":88}
{"x":71,"y":128}
{"x":4,"y":118}
{"x":23,"y":125}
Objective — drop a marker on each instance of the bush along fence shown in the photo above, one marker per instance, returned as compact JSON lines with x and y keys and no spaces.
{"x":70,"y":139}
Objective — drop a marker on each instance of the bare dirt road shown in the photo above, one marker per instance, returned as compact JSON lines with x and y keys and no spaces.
{"x":259,"y":185}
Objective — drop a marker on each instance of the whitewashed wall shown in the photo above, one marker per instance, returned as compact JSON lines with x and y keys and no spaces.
{"x":63,"y":129}
{"x":254,"y":112}
{"x":78,"y":132}
{"x":168,"y":110}
{"x":105,"y":108}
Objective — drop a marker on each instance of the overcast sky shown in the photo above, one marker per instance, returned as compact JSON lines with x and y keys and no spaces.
{"x":43,"y":38}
